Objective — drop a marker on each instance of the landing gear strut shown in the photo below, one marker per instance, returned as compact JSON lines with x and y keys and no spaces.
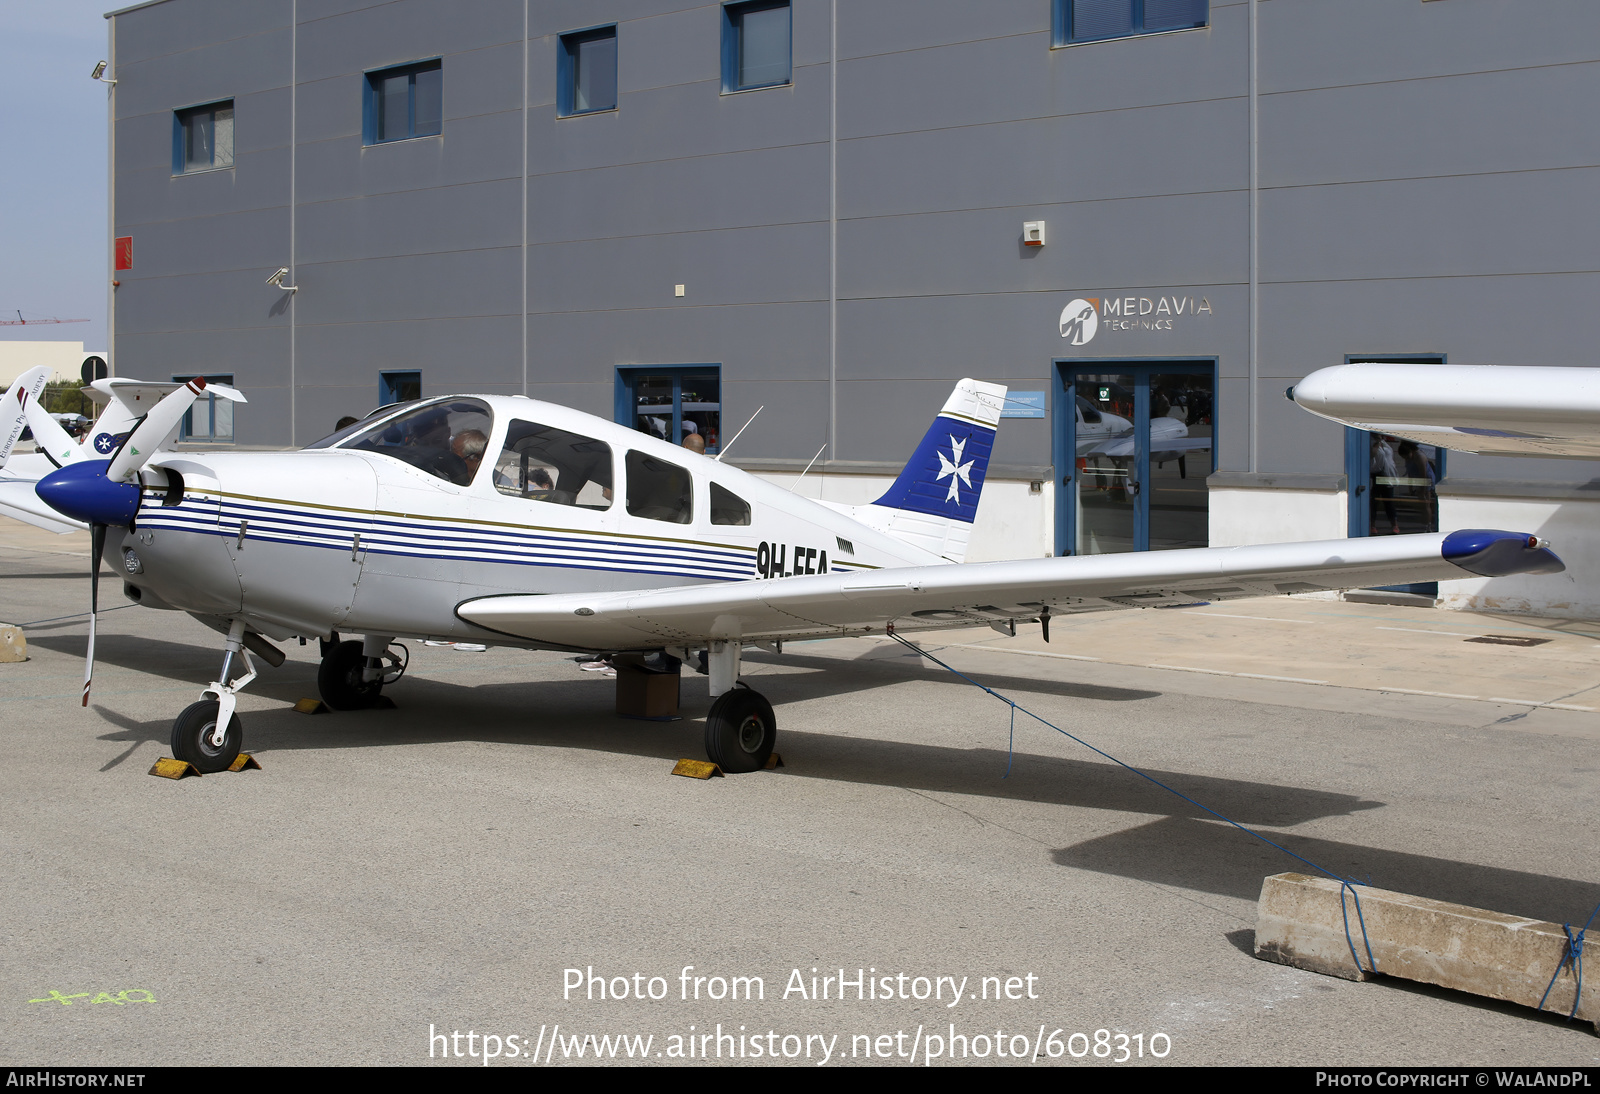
{"x":208,"y":734}
{"x":352,"y":674}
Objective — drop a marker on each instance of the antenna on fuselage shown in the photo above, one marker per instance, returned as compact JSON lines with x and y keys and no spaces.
{"x":739,"y":434}
{"x":814,"y":459}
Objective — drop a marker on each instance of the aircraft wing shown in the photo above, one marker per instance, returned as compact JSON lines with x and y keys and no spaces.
{"x":18,"y":501}
{"x":922,"y":597}
{"x":1499,"y":410}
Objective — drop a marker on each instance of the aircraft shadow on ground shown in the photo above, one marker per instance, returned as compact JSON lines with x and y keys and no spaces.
{"x":880,"y":670}
{"x":577,"y":714}
{"x":1212,"y":857}
{"x":196,"y":662}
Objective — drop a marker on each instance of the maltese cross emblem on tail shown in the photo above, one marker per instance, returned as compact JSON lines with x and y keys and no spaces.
{"x":954,"y":469}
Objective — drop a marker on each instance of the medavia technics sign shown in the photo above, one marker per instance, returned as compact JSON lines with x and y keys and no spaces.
{"x":1086,"y":316}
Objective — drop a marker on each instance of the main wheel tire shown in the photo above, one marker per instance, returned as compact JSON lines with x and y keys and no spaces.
{"x":339,"y":679}
{"x":191,"y":738}
{"x":740,"y":731}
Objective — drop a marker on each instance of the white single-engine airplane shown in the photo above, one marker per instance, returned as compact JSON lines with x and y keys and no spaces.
{"x":506,"y":521}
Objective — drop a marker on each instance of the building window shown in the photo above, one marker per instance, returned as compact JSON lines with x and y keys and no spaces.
{"x":399,"y":387}
{"x":755,"y":45}
{"x":404,"y":102}
{"x":671,"y":402}
{"x":1097,"y":20}
{"x":202,"y":138}
{"x":209,"y":418}
{"x":587,"y":70}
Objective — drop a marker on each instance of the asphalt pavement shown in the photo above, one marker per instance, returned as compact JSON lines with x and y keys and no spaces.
{"x":479,"y":859}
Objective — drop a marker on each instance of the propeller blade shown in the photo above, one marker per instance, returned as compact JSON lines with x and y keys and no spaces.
{"x":54,"y":441}
{"x":151,"y":433}
{"x":97,"y":546}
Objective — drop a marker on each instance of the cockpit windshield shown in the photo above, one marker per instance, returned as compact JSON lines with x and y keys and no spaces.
{"x":446,"y":438}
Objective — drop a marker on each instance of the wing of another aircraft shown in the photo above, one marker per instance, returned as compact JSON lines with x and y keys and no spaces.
{"x":18,"y":500}
{"x":1498,"y":410}
{"x":921,"y":597}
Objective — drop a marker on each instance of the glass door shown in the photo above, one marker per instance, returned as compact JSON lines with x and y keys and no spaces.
{"x":1393,"y":482}
{"x":1134,"y":445}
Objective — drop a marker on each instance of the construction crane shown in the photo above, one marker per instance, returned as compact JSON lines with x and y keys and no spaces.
{"x":21,"y":322}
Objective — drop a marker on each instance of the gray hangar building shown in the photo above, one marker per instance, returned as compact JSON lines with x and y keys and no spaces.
{"x":1146,"y":217}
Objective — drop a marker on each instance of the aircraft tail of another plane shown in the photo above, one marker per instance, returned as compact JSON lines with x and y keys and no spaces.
{"x":934,"y":501}
{"x":13,"y":407}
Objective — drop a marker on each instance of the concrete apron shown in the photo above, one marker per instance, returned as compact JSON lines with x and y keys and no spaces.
{"x":1302,"y":921}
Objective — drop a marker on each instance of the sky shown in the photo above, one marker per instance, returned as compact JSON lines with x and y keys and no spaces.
{"x":53,"y":236}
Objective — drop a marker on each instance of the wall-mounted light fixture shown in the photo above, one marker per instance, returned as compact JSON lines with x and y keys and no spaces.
{"x":99,"y":73}
{"x":277,"y":279}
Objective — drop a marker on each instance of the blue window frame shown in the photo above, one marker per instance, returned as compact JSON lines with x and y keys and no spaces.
{"x":202,"y":138}
{"x":403,"y":102}
{"x":1098,"y":20}
{"x":209,"y":418}
{"x":755,"y":45}
{"x":1392,"y":484}
{"x":671,"y":401}
{"x":586,"y":71}
{"x":399,"y":387}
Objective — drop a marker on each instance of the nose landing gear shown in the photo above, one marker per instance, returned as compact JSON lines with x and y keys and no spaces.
{"x":208,"y":734}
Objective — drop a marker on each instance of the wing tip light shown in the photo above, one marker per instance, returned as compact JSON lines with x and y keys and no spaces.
{"x":1489,"y":552}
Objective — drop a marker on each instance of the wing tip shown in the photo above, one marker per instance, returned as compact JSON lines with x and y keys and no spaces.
{"x":1489,"y":552}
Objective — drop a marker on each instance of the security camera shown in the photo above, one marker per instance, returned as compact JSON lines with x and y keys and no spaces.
{"x":99,"y":73}
{"x":277,"y":279}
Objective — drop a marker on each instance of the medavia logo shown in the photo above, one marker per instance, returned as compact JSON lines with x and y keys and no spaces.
{"x":1079,"y":322}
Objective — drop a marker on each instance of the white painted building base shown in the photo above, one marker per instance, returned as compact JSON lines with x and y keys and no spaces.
{"x":1012,"y":521}
{"x":1281,"y":515}
{"x":1570,"y":525}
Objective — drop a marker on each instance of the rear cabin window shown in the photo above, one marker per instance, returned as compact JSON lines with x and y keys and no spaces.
{"x":658,"y":490}
{"x":446,"y":439}
{"x":542,"y":463}
{"x":728,"y":507}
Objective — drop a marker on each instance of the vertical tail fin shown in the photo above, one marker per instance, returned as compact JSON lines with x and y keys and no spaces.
{"x":934,"y":501}
{"x":13,"y":407}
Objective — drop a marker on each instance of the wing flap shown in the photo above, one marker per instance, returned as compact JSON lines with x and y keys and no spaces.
{"x":923,"y":597}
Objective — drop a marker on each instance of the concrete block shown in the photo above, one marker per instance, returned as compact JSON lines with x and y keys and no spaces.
{"x":1300,"y":921}
{"x":13,"y":647}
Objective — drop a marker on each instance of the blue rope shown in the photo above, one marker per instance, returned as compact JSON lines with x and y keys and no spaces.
{"x":1344,"y":883}
{"x":1574,"y":955}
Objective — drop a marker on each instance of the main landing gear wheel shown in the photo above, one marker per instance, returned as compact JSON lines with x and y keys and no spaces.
{"x":339,"y":679}
{"x":740,"y":731}
{"x":191,"y":738}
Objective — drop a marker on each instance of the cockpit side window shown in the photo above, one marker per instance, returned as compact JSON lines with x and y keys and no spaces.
{"x":542,"y":463}
{"x":728,"y":507}
{"x":446,"y":439}
{"x":658,"y":490}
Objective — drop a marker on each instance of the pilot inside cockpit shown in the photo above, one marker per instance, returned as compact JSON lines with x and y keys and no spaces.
{"x":439,"y":438}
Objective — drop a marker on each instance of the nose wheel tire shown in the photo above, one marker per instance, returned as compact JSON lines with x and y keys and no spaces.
{"x":191,"y":738}
{"x":740,"y":731}
{"x":339,"y":678}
